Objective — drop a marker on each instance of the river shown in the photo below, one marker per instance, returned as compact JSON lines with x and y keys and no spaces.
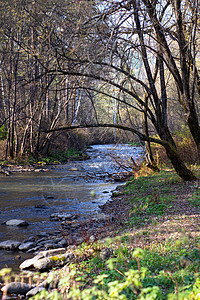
{"x":77,"y":187}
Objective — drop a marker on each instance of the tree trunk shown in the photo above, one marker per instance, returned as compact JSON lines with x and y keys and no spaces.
{"x":148,"y":151}
{"x":178,"y":164}
{"x":172,"y":154}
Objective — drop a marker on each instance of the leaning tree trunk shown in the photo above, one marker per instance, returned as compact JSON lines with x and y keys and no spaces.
{"x":178,"y":164}
{"x":174,"y":157}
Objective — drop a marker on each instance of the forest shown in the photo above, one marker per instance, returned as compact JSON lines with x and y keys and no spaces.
{"x":131,"y":67}
{"x":76,"y":73}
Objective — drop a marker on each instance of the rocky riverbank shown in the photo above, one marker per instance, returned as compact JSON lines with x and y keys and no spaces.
{"x":10,"y":169}
{"x":52,"y":250}
{"x":72,"y":232}
{"x":160,"y":214}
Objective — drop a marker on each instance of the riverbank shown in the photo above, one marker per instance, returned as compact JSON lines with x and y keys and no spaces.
{"x":148,"y":249}
{"x":31,"y":164}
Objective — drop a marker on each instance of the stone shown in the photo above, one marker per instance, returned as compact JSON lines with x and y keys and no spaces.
{"x":41,"y":206}
{"x":16,"y":222}
{"x":92,"y":239}
{"x":26,"y":246}
{"x":50,"y":246}
{"x":29,"y":263}
{"x":43,"y":234}
{"x":101,"y":218}
{"x":62,"y":217}
{"x":35,"y":291}
{"x":33,"y":249}
{"x":53,"y":252}
{"x":30,"y":239}
{"x":9,"y":245}
{"x":73,"y":169}
{"x":16,"y":288}
{"x":79,"y":241}
{"x":53,"y":261}
{"x":62,"y":242}
{"x":106,"y":253}
{"x":39,"y":262}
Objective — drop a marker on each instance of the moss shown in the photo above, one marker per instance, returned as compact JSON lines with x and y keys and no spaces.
{"x":57,"y":258}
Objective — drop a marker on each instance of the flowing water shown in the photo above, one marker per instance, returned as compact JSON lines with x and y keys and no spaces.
{"x":63,"y":188}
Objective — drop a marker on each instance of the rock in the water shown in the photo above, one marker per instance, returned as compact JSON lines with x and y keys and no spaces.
{"x":43,"y":234}
{"x":9,"y":245}
{"x":62,"y":217}
{"x":17,"y":288}
{"x":41,"y":206}
{"x":26,"y":246}
{"x":16,"y":222}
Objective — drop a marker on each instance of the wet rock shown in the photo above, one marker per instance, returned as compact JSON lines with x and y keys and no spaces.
{"x":16,"y":288}
{"x":30,"y":239}
{"x":43,"y":234}
{"x":61,"y":217}
{"x":41,"y":240}
{"x":41,"y":206}
{"x":16,"y":222}
{"x":9,"y":245}
{"x":26,"y":246}
{"x":32,"y":250}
